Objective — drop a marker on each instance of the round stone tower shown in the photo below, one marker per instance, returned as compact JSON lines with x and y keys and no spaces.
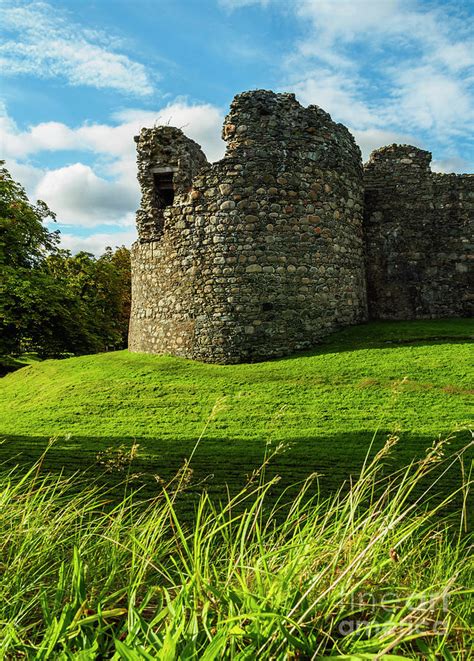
{"x":258,"y":255}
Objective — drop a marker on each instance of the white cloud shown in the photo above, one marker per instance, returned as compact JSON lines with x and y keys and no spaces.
{"x":433,"y":100}
{"x":106,"y":193}
{"x":370,"y":139}
{"x":45,"y":44}
{"x":27,"y":175}
{"x":46,"y":136}
{"x":339,"y":95}
{"x":395,"y":66}
{"x":202,"y":122}
{"x":79,"y":197}
{"x":450,"y":164}
{"x":97,"y":243}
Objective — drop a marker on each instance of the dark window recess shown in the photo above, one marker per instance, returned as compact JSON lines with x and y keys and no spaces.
{"x":164,"y":189}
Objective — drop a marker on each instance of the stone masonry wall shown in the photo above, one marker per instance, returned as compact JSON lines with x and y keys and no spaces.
{"x":163,"y":149}
{"x":419,"y":237}
{"x":260,"y":254}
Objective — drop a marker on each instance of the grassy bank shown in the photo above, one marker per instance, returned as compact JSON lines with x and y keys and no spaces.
{"x":324,"y":407}
{"x":366,"y":572}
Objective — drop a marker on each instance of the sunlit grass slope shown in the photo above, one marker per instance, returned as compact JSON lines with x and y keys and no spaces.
{"x":409,"y":378}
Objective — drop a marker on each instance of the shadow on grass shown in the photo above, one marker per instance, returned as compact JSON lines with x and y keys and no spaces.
{"x":386,"y":334}
{"x":222,"y":466}
{"x":8,"y":365}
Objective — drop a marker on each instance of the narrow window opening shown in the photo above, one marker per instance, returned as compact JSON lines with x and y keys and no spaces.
{"x":164,"y":189}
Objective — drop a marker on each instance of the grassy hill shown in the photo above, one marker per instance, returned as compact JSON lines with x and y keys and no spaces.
{"x":133,"y":578}
{"x":408,"y":378}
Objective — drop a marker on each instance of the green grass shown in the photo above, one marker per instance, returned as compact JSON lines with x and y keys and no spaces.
{"x":409,"y":378}
{"x":367,"y":573}
{"x":229,"y":561}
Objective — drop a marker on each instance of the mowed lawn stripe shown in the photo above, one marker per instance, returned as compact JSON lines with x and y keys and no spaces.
{"x":325,"y":406}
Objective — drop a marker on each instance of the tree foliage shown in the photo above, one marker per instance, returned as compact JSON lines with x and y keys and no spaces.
{"x":54,"y":303}
{"x":24,"y":240}
{"x":101,"y":286}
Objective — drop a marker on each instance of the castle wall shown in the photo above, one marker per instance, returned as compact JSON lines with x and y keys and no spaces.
{"x":418,"y":234}
{"x":163,"y":149}
{"x":260,"y":254}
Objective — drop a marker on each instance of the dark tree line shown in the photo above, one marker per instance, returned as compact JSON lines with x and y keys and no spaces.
{"x":54,"y":303}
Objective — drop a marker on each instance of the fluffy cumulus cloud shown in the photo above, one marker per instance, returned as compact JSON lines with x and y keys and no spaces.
{"x":40,"y":41}
{"x":79,"y":197}
{"x":27,"y":175}
{"x":105,"y":193}
{"x":202,"y":122}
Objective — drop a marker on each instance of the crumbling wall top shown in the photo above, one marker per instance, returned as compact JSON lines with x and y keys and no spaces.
{"x":400,"y":157}
{"x":167,"y":162}
{"x":164,"y":148}
{"x":262,"y":123}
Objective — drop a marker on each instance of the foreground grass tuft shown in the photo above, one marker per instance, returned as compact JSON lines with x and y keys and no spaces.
{"x":370,"y":571}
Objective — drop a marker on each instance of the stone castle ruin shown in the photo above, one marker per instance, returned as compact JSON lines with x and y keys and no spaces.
{"x":288,"y":238}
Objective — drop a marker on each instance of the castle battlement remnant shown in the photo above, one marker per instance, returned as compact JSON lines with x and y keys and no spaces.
{"x":276,"y":245}
{"x":418,"y":228}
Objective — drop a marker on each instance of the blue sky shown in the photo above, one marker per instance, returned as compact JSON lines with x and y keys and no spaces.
{"x":80,"y":77}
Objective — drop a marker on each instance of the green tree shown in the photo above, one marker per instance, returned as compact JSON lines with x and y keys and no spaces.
{"x":29,"y":298}
{"x":24,"y":240}
{"x":54,"y":303}
{"x":102,"y":287}
{"x":115,"y":269}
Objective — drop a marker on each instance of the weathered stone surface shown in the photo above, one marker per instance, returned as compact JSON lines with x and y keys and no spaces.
{"x":262,"y":253}
{"x":418,"y":228}
{"x":164,"y":149}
